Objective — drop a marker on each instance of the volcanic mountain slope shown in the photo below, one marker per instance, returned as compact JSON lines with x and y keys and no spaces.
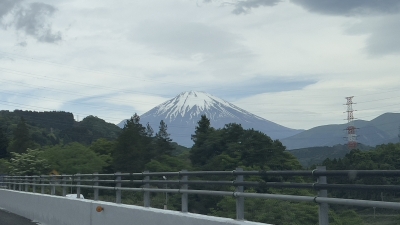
{"x":182,"y":113}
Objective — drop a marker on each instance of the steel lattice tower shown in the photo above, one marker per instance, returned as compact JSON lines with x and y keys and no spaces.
{"x":351,"y":129}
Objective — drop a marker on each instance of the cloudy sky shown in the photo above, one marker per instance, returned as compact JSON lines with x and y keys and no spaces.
{"x":289,"y":61}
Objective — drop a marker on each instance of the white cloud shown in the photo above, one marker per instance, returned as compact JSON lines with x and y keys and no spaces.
{"x":115,"y":59}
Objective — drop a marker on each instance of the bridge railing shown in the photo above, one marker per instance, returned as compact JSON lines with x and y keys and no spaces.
{"x":181,"y":179}
{"x":2,"y":185}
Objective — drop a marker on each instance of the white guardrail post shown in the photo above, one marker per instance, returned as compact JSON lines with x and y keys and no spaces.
{"x":96,"y":190}
{"x":146,"y":194}
{"x":185,"y":200}
{"x":26,"y":183}
{"x":34,"y":184}
{"x":64,"y":188}
{"x":323,"y":212}
{"x":78,"y":183}
{"x":117,"y":187}
{"x":239,"y":199}
{"x":53,"y":185}
{"x":41,"y":185}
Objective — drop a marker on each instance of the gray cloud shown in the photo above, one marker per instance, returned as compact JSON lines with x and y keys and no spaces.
{"x":215,"y":51}
{"x":246,"y":6}
{"x":379,"y":20}
{"x":22,"y":44}
{"x":385,"y":39}
{"x":185,"y":39}
{"x":351,"y":7}
{"x":261,"y":84}
{"x":32,"y":19}
{"x":384,"y":34}
{"x":6,"y":6}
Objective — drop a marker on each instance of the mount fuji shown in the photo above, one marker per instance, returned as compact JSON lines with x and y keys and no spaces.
{"x":182,"y":113}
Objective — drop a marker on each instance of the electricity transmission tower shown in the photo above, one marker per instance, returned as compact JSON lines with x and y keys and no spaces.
{"x":351,"y":129}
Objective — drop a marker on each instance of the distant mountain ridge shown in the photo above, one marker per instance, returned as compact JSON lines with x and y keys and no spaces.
{"x":381,"y":130}
{"x":182,"y":113}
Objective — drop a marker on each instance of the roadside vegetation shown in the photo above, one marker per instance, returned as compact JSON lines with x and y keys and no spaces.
{"x":32,"y":143}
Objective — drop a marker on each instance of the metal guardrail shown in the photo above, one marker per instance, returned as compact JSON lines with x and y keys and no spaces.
{"x":53,"y":181}
{"x":2,"y":181}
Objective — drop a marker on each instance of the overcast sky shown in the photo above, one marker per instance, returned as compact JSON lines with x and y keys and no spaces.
{"x":292,"y":62}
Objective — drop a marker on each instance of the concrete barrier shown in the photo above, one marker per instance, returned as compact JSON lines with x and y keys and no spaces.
{"x":57,"y":210}
{"x":47,"y":209}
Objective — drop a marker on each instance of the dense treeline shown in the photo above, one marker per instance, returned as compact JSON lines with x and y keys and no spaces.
{"x":89,"y":130}
{"x":54,"y":119}
{"x":69,"y":145}
{"x":29,"y":129}
{"x":92,"y":145}
{"x":383,"y":157}
{"x":316,"y":155}
{"x":233,"y":146}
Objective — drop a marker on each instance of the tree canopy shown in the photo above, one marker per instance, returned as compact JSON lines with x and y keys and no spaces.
{"x":31,"y":162}
{"x":73,"y":158}
{"x":233,"y":146}
{"x":133,"y":149}
{"x":3,"y":144}
{"x":21,"y":138}
{"x":163,"y":142}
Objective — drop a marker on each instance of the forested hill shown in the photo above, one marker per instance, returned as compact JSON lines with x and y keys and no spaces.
{"x":50,"y":128}
{"x":90,"y":129}
{"x":52,"y":119}
{"x":316,"y":155}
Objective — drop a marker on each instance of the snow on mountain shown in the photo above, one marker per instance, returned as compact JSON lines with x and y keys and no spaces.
{"x":182,"y":113}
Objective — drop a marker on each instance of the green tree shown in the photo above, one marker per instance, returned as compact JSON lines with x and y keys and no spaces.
{"x":163,"y":142}
{"x":3,"y":144}
{"x":282,"y":212}
{"x":383,"y":157}
{"x":166,"y":163}
{"x":74,"y":158}
{"x":233,"y":146}
{"x":32,"y":162}
{"x":350,"y":217}
{"x":4,"y":166}
{"x":202,"y":132}
{"x":134,"y":147}
{"x":104,"y":149}
{"x":21,"y":139}
{"x":149,"y":130}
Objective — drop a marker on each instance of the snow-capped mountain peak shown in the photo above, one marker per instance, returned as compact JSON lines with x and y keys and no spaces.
{"x":186,"y":101}
{"x":182,"y":113}
{"x":196,"y":103}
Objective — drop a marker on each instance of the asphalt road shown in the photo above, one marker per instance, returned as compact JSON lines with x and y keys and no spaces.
{"x":7,"y":218}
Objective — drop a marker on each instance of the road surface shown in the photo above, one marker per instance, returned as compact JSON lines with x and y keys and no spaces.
{"x":7,"y":218}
